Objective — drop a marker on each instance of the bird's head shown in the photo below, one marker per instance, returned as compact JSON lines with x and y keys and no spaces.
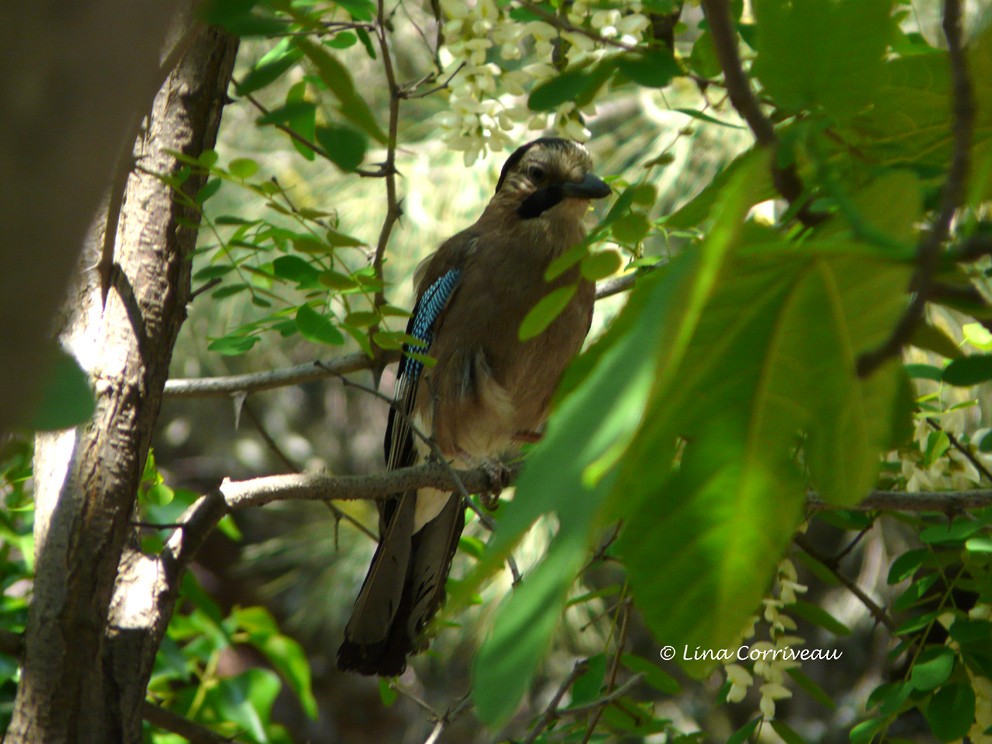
{"x":546,"y":173}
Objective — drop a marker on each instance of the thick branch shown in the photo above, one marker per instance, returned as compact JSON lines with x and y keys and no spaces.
{"x":928,"y":252}
{"x":949,"y":502}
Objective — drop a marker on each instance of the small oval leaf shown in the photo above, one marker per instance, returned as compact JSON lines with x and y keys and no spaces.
{"x":315,"y":327}
{"x":545,"y":311}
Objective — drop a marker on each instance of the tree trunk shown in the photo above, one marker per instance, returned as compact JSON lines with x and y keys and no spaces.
{"x":96,"y":617}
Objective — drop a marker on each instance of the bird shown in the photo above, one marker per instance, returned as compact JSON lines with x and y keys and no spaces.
{"x":486,"y":392}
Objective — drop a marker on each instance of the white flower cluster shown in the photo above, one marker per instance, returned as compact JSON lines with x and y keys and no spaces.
{"x":952,"y":470}
{"x":771,"y":668}
{"x":486,"y":101}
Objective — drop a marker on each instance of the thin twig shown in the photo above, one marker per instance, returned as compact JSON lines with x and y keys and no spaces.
{"x":292,"y":467}
{"x":551,"y":710}
{"x":288,"y":130}
{"x":600,"y":705}
{"x":876,"y":612}
{"x":979,"y":465}
{"x":450,"y":715}
{"x":393,"y":210}
{"x":271,"y":443}
{"x":174,"y":723}
{"x":602,"y":702}
{"x":928,"y":251}
{"x":228,"y":385}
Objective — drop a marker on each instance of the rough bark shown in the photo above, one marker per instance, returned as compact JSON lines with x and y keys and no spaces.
{"x":95,"y":623}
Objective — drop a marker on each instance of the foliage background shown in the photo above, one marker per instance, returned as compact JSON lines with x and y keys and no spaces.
{"x":687,"y":190}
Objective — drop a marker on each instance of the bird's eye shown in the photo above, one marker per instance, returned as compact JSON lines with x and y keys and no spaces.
{"x":535,"y":173}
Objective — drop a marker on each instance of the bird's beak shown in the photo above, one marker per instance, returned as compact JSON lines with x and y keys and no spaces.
{"x":589,"y":187}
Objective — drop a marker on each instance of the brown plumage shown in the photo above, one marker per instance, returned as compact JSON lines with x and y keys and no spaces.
{"x":487,"y":388}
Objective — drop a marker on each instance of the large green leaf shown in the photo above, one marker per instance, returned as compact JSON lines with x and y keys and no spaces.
{"x":909,"y":122}
{"x":773,"y":355}
{"x":798,"y":59}
{"x":337,"y":78}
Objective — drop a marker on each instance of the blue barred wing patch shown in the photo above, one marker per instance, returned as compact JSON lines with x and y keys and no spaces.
{"x":421,"y":326}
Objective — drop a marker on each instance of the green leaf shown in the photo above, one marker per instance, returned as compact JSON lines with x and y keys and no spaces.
{"x":295,"y":269}
{"x":819,"y":616}
{"x":653,"y":68}
{"x":811,"y":688}
{"x":246,"y":700}
{"x":865,"y":731}
{"x":907,"y":564}
{"x":232,"y":345}
{"x":699,"y":208}
{"x":970,"y":370}
{"x":345,"y":146}
{"x":978,"y":545}
{"x":957,"y":531}
{"x":340,"y":240}
{"x":212,"y":272}
{"x":631,"y":228}
{"x":337,"y":78}
{"x":742,"y":734}
{"x":288,"y":113}
{"x":600,"y":265}
{"x":951,"y":711}
{"x":269,"y":69}
{"x":933,"y":668}
{"x":924,"y":372}
{"x":386,"y":693}
{"x":210,"y":188}
{"x":586,"y":688}
{"x":66,"y":397}
{"x":545,"y":311}
{"x":285,"y":654}
{"x":315,"y":327}
{"x":788,"y":734}
{"x":798,"y":60}
{"x":578,"y":84}
{"x":978,"y":336}
{"x":362,"y":318}
{"x":653,"y":675}
{"x":700,"y":545}
{"x":237,"y":16}
{"x":703,"y":116}
{"x":243,"y":168}
{"x":337,"y":280}
{"x":703,"y":59}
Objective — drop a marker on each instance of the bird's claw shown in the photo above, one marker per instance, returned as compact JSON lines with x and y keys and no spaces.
{"x":499,"y":476}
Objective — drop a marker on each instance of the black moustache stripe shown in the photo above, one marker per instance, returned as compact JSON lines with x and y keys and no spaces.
{"x":540,"y":200}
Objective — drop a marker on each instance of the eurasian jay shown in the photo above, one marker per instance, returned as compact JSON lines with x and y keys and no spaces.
{"x":487,"y":389}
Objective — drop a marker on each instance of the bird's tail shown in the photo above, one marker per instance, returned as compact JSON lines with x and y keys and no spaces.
{"x":403,"y":589}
